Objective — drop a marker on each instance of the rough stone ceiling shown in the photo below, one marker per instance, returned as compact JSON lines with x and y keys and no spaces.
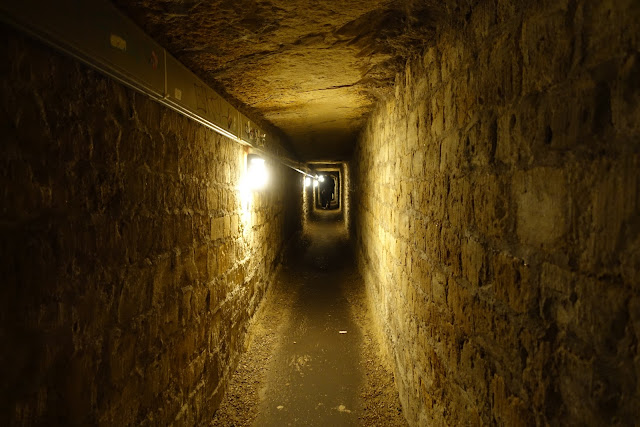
{"x":313,"y":68}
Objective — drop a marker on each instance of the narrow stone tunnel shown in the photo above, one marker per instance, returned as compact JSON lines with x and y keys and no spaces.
{"x":477,"y":263}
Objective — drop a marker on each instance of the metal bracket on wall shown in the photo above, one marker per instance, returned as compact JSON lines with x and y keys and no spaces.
{"x":99,"y":35}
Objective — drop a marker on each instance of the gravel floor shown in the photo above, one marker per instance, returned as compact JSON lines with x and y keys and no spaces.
{"x":295,"y":351}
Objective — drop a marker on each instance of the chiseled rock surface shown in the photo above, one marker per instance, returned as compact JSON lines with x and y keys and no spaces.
{"x":498,"y":219}
{"x":312,"y":68}
{"x":130,"y":269}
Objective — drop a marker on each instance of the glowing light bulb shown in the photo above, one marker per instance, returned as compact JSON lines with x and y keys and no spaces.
{"x":257,"y":174}
{"x":307,"y":181}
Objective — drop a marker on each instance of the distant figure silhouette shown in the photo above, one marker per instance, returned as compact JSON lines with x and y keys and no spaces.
{"x":330,"y":190}
{"x":323,"y":195}
{"x":327,"y":189}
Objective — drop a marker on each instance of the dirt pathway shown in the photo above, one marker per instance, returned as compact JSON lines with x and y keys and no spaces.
{"x":312,"y":359}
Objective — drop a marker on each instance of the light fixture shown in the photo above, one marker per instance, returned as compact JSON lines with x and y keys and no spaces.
{"x":257,"y":174}
{"x":321,"y":178}
{"x":315,"y":183}
{"x":307,"y":181}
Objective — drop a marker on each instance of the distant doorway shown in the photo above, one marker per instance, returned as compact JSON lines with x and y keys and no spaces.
{"x":327,"y":192}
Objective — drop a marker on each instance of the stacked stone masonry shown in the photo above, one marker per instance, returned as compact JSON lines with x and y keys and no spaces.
{"x":498,"y":218}
{"x":130,"y":265}
{"x":345,"y":197}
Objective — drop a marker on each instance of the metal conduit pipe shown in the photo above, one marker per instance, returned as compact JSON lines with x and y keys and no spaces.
{"x":99,"y":35}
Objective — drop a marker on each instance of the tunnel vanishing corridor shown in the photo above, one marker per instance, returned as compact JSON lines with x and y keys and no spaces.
{"x":272,"y":212}
{"x":316,"y":372}
{"x":312,"y":358}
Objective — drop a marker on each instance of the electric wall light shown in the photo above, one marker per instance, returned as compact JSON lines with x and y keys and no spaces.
{"x":257,"y":174}
{"x":307,"y":181}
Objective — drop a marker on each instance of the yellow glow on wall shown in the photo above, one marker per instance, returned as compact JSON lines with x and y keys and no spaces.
{"x":255,"y":178}
{"x":257,"y":174}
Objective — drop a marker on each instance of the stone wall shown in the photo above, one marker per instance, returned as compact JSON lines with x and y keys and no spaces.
{"x":498,"y":218}
{"x":130,"y":267}
{"x":345,"y":196}
{"x":307,"y":206}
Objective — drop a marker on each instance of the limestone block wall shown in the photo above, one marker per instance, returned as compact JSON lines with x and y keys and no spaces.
{"x":307,"y":206}
{"x":130,"y":268}
{"x":345,"y":196}
{"x":498,"y":218}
